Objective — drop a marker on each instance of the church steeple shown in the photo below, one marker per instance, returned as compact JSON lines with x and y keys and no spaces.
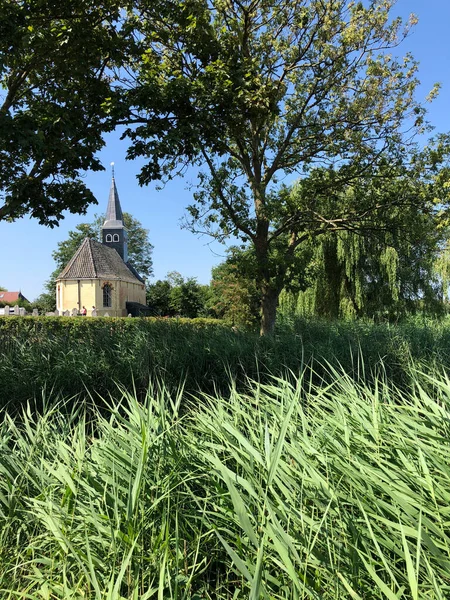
{"x":114,"y":234}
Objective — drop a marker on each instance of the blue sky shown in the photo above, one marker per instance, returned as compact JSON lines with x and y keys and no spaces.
{"x":27,"y":246}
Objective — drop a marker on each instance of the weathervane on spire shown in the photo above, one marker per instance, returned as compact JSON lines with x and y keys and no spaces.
{"x":112,"y":169}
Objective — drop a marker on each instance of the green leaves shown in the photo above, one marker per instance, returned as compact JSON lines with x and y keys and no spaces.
{"x":329,"y":514}
{"x":254,"y":92}
{"x":250,"y":91}
{"x":53,"y":62}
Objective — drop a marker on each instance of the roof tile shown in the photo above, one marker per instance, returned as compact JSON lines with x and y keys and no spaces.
{"x":93,"y":260}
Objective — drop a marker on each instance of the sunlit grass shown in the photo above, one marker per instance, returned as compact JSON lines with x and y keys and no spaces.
{"x":289,"y":490}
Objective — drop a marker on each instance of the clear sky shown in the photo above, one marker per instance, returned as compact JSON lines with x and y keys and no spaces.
{"x":26,"y":260}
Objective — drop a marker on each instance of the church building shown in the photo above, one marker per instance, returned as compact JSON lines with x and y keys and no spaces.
{"x":99,"y":276}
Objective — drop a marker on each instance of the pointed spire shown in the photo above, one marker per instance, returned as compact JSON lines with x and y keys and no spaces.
{"x":114,"y":234}
{"x":114,"y":210}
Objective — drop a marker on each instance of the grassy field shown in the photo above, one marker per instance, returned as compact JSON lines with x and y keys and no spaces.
{"x":311,"y":465}
{"x":287,"y":490}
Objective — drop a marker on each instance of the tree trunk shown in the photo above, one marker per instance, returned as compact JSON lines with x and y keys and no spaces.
{"x":269,"y":303}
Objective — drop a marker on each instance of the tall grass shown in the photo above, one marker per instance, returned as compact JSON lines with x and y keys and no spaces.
{"x":90,"y":356}
{"x":287,"y":490}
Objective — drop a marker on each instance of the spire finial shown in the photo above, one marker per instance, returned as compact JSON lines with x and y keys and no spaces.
{"x":112,"y":169}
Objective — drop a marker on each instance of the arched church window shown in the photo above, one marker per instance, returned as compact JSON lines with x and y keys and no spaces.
{"x":116,"y":237}
{"x":108,"y":237}
{"x":107,"y":296}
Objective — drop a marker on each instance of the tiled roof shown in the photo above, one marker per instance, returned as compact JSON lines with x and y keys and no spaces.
{"x":93,"y":260}
{"x":135,"y":273}
{"x":12,"y":296}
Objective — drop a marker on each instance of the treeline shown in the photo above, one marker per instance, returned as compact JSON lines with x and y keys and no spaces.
{"x":383,"y":278}
{"x":388,"y":277}
{"x":342,"y":276}
{"x":258,"y":94}
{"x":229,"y":296}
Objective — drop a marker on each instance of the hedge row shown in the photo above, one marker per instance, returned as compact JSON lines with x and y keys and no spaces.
{"x":84,"y":357}
{"x":88,"y":326}
{"x":47,"y":356}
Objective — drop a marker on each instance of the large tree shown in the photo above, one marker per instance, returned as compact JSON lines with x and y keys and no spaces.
{"x":382,"y":263}
{"x":189,"y":298}
{"x":255,"y":90}
{"x":386,"y":276}
{"x":252,"y":90}
{"x":385,"y":272}
{"x":55,"y":92}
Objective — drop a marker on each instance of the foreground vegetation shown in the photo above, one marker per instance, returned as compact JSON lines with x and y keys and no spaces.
{"x":87,"y":358}
{"x":290,"y":490}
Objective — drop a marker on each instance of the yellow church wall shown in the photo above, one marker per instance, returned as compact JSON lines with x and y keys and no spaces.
{"x":69,"y":299}
{"x":72,"y":294}
{"x":122,"y":292}
{"x":131,"y":292}
{"x":87,"y":294}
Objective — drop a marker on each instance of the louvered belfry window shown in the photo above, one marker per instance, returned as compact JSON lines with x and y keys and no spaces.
{"x":107,"y":296}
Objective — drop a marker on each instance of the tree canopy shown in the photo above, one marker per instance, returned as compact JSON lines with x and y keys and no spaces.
{"x":55,"y":82}
{"x":139,"y":246}
{"x":383,"y":277}
{"x":233,"y":294}
{"x":250,"y":91}
{"x":254,"y":91}
{"x":178,"y":296}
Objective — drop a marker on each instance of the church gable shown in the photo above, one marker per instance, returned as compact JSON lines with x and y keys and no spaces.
{"x":93,"y":260}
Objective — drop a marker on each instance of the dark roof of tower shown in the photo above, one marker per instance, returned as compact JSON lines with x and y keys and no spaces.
{"x":114,"y":210}
{"x":93,"y":260}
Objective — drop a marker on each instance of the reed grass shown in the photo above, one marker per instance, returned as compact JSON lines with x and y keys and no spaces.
{"x":288,"y":489}
{"x":88,"y":357}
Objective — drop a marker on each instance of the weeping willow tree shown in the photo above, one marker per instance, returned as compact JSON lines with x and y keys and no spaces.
{"x":384,"y":268}
{"x":369,"y":248}
{"x":383,"y":276}
{"x":442,"y":268}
